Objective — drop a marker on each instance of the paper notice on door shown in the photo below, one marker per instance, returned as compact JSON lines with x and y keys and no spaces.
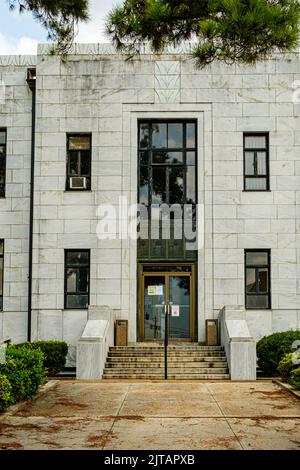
{"x":151,"y":290}
{"x":175,"y":310}
{"x":160,"y":290}
{"x":156,"y":290}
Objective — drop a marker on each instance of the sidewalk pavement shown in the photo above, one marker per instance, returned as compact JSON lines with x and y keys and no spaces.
{"x":155,"y":415}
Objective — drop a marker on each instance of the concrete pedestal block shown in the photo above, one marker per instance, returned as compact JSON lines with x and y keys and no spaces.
{"x":92,"y":350}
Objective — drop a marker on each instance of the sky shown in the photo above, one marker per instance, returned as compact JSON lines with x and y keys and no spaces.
{"x":20,"y":34}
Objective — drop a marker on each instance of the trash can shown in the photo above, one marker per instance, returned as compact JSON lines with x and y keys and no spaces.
{"x":211,"y":332}
{"x":121,"y":333}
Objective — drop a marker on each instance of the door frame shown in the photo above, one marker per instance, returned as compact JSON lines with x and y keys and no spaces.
{"x":166,"y":274}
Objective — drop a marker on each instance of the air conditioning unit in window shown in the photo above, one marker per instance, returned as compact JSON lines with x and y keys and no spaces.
{"x":78,"y":182}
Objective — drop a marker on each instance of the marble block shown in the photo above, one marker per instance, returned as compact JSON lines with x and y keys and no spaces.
{"x":239,"y":345}
{"x":92,"y":350}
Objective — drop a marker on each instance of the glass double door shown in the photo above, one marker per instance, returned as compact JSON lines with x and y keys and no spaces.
{"x":168,"y":293}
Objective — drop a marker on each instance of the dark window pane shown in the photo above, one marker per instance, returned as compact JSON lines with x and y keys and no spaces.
{"x":249,"y":163}
{"x":144,"y":185}
{"x":71,"y":280}
{"x":157,"y":248}
{"x":256,"y":184}
{"x":175,"y":135}
{"x":255,"y":142}
{"x":1,"y":271}
{"x":261,"y":163}
{"x":143,"y":158}
{"x":158,"y":185}
{"x":191,"y":185}
{"x":191,"y":135}
{"x":74,"y":163}
{"x":167,"y":157}
{"x":2,"y":137}
{"x":257,"y":301}
{"x":77,"y":301}
{"x":159,"y":135}
{"x":79,"y":142}
{"x":2,"y":162}
{"x":263,"y":280}
{"x":190,"y":158}
{"x":144,"y":136}
{"x":77,"y":258}
{"x":176,"y":188}
{"x":256,"y":258}
{"x":85,"y":159}
{"x":83,"y":280}
{"x":250,"y":280}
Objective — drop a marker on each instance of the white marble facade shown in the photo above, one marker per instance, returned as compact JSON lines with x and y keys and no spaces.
{"x":97,"y":91}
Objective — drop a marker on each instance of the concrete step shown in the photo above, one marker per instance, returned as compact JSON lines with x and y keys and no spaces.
{"x":185,"y":361}
{"x":170,"y":354}
{"x":171,"y":370}
{"x":160,"y":376}
{"x":150,"y":365}
{"x":159,"y":359}
{"x":170,"y":347}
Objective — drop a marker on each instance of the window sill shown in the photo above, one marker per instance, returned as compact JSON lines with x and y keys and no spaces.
{"x":77,"y":190}
{"x":256,"y":191}
{"x":80,"y":309}
{"x":268,"y":308}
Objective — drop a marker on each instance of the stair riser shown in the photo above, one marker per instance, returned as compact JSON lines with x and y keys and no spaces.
{"x":223,"y":370}
{"x":161,"y":354}
{"x":170,"y":376}
{"x":184,"y":360}
{"x":193,"y":365}
{"x":170,"y":348}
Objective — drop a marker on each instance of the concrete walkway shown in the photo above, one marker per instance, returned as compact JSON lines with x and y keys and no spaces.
{"x":155,"y":415}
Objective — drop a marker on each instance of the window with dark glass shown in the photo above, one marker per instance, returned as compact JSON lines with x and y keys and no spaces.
{"x":257,"y":279}
{"x":77,"y":278}
{"x":256,"y":162}
{"x":1,"y":272}
{"x":2,"y":161}
{"x":79,"y":161}
{"x":167,"y":175}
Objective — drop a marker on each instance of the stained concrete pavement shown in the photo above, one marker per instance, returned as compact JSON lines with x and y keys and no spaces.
{"x":155,"y":415}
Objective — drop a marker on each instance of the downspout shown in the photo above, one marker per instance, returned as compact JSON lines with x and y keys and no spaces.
{"x":31,"y":81}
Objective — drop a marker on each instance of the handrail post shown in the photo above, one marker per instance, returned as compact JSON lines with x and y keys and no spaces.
{"x":166,"y":339}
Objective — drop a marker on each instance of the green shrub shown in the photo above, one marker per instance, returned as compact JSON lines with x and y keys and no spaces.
{"x":55,"y":353}
{"x":25,"y":371}
{"x":6,"y":397}
{"x":295,"y":378}
{"x":287,"y":364}
{"x":271,"y":349}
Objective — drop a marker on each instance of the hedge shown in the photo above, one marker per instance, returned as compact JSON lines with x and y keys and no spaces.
{"x":271,"y":349}
{"x":6,"y":397}
{"x":25,"y":372}
{"x":287,"y":364}
{"x":55,"y":353}
{"x":295,"y":378}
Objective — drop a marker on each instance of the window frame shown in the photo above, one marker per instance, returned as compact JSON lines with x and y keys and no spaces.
{"x":68,"y":175}
{"x":257,"y":267}
{"x":162,"y":249}
{"x":185,"y":149}
{"x":2,"y":266}
{"x":3,"y":129}
{"x":66,"y":267}
{"x":255,"y":151}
